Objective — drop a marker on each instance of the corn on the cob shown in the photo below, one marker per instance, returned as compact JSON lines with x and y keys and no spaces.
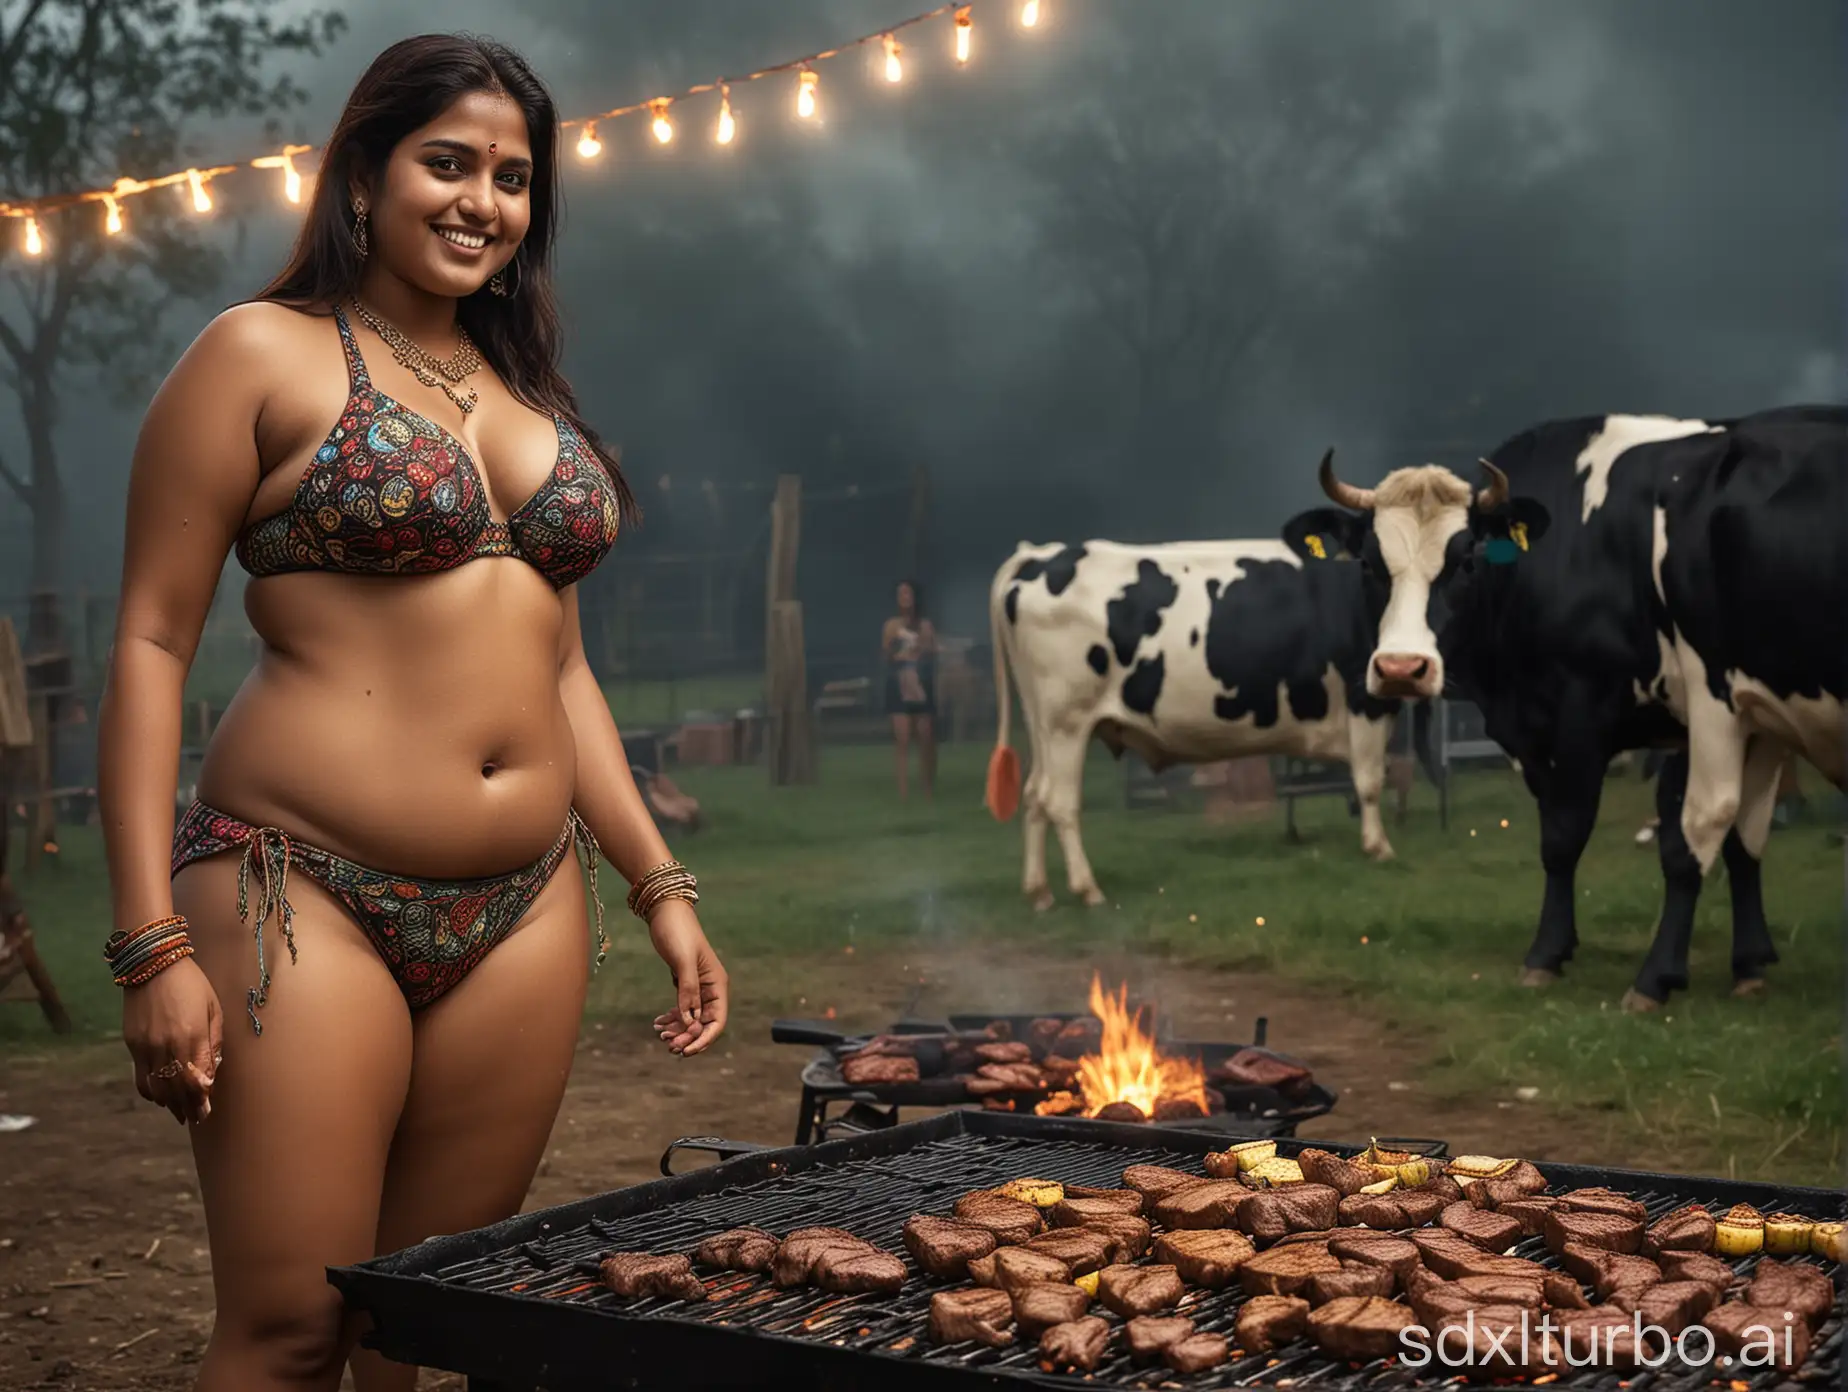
{"x":1277,"y":1171}
{"x":1827,"y":1240}
{"x":1251,"y":1153}
{"x":1740,"y":1233}
{"x":1787,"y":1234}
{"x":1041,"y":1193}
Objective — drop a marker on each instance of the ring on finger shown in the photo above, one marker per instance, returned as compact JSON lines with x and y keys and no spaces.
{"x":170,"y":1069}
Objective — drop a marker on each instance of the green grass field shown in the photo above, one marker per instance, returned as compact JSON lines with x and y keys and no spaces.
{"x":1750,"y":1087}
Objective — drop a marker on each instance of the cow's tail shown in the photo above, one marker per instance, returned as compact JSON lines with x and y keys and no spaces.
{"x":1003,"y":793}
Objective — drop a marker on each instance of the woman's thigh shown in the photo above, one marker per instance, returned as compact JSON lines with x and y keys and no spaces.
{"x":292,"y":1160}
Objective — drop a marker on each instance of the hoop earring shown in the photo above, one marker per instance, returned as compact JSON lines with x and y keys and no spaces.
{"x":497,"y":283}
{"x":360,"y":243}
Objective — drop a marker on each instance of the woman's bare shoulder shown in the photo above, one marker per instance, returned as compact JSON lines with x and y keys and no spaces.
{"x":265,"y":328}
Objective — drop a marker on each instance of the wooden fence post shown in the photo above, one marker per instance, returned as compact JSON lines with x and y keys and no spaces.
{"x":789,"y":748}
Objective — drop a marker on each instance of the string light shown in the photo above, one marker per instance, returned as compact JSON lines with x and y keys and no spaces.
{"x":805,"y":93}
{"x":727,"y":126}
{"x":202,"y":201}
{"x":1029,"y":14}
{"x":291,"y":176}
{"x":965,"y":22}
{"x":663,"y":128}
{"x":35,"y":245}
{"x":588,"y":146}
{"x":895,"y":71}
{"x":112,"y":215}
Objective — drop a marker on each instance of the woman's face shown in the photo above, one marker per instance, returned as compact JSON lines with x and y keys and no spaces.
{"x":455,"y":201}
{"x":905,"y":599}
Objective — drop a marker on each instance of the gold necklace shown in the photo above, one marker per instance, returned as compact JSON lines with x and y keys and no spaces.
{"x":429,"y":369}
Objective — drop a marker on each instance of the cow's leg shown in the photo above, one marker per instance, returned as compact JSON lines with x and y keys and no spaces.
{"x":1064,"y":792}
{"x":1716,"y":765}
{"x":1744,"y":851}
{"x":1033,"y":825}
{"x":1665,"y":969}
{"x":1568,"y":812}
{"x":1367,"y":740}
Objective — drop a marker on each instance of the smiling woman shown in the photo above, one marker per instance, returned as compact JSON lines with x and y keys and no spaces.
{"x":384,"y":438}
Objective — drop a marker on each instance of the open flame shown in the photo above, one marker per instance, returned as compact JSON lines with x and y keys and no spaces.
{"x":1128,"y":1066}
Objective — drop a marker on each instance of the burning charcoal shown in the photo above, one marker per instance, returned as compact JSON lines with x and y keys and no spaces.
{"x":1121,"y":1111}
{"x":1208,"y":1205}
{"x":1156,"y":1182}
{"x":1602,"y":1200}
{"x":846,"y":1272}
{"x":1488,"y":1230}
{"x":1605,"y":1230}
{"x":943,"y":1247}
{"x":1286,"y":1270}
{"x":1361,"y":1328}
{"x":1123,"y":1200}
{"x":1797,"y":1286}
{"x":985,"y":1316}
{"x":1060,"y":1104}
{"x":1196,"y":1353}
{"x":796,"y":1257}
{"x":637,"y":1276}
{"x":864,"y":1071}
{"x":1265,"y":1321}
{"x":1260,"y":1068}
{"x":1351,"y":1280}
{"x":1394,"y":1253}
{"x":1009,"y":1219}
{"x":1738,"y":1326}
{"x":1343,"y":1176}
{"x":1011,"y":1052}
{"x":1704,"y":1267}
{"x":1081,"y":1249}
{"x":1205,"y":1257}
{"x":1039,"y":1305}
{"x":1148,"y":1335}
{"x":1077,"y":1345}
{"x":740,"y":1249}
{"x":1687,"y":1229}
{"x":1139,"y":1290}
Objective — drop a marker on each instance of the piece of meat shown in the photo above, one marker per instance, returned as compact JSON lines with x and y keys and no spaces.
{"x":1079,"y":1037}
{"x":1044,"y":1030}
{"x":1442,"y":1188}
{"x":1252,"y":1067}
{"x":984,"y":1316}
{"x":1343,"y":1176}
{"x":1156,"y":1182}
{"x":1402,"y":1208}
{"x":1266,"y":1321}
{"x":1197,"y":1352}
{"x":1562,"y":1292}
{"x":1098,"y":1201}
{"x":1797,"y":1286}
{"x":1445,"y":1253}
{"x":1602,"y":1334}
{"x":1010,"y":1268}
{"x":863,"y":1070}
{"x":1039,"y":1305}
{"x":1077,"y":1345}
{"x":1601,"y":1200}
{"x":1148,"y":1335}
{"x":1361,"y":1328}
{"x":738,"y":1249}
{"x":1012,"y":1051}
{"x":1083,"y":1250}
{"x":1324,"y":1236}
{"x":1484,"y":1343}
{"x":1010,"y":1220}
{"x":1704,"y":1267}
{"x":1060,"y":1072}
{"x":845,"y":1272}
{"x":1375,"y":1249}
{"x":943,"y":1247}
{"x":1668,"y":1305}
{"x":1207,"y":1257}
{"x":1128,"y":1234}
{"x":998,"y":1029}
{"x":1351,"y":1279}
{"x":1122,"y":1111}
{"x":1178,"y":1109}
{"x":1489,"y":1230}
{"x":800,"y":1250}
{"x":1620,"y":1277}
{"x":1738,"y":1325}
{"x":1139,"y":1290}
{"x":1288,"y":1208}
{"x":1020,"y":1077}
{"x":1529,"y":1210}
{"x":1606,"y":1230}
{"x":1687,"y":1229}
{"x":640,"y":1276}
{"x":1286,"y":1270}
{"x":1208,"y":1205}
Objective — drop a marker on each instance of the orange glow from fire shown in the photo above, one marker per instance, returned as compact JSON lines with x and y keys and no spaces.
{"x":1128,"y":1066}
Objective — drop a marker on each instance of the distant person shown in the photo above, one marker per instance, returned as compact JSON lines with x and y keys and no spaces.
{"x":910,"y":647}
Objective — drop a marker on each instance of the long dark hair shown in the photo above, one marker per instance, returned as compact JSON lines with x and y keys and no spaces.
{"x":407,"y":86}
{"x":917,"y":597}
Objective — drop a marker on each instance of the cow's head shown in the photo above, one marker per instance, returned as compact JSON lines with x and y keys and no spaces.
{"x":1430,"y":546}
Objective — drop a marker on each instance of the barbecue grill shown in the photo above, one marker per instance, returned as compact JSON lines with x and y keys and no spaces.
{"x":1249,"y":1111}
{"x":520,"y":1302}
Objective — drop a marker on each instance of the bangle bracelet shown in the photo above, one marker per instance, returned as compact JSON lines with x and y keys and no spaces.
{"x":138,"y":955}
{"x":668,"y":880}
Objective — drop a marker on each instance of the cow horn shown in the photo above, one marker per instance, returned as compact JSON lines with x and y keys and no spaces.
{"x":1496,"y":494}
{"x":1346,"y":494}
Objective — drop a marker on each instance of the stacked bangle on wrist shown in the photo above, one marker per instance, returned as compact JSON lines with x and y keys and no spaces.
{"x":138,"y":955}
{"x":668,"y":880}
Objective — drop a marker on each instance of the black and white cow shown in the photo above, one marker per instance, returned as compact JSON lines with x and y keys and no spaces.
{"x":1183,"y":653}
{"x":1618,"y":581}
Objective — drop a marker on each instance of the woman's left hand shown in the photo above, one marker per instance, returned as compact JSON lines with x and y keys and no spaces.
{"x":700,"y":984}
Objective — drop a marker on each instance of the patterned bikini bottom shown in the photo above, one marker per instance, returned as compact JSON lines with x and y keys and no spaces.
{"x":430,"y":933}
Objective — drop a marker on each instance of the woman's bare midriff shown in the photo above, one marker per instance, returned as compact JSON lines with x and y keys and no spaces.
{"x":410,"y":724}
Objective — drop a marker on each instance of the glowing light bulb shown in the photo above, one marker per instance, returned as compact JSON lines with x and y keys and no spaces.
{"x":1029,"y":14}
{"x":588,"y":146}
{"x":35,"y":244}
{"x":895,"y":70}
{"x":112,"y":215}
{"x":202,"y":201}
{"x":291,"y":180}
{"x":965,"y":24}
{"x":727,"y":127}
{"x":805,"y":94}
{"x":663,"y":128}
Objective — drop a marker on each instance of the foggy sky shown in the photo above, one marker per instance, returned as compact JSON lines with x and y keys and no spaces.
{"x":1452,"y":218}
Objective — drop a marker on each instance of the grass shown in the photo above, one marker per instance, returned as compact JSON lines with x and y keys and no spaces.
{"x":1434,"y":939}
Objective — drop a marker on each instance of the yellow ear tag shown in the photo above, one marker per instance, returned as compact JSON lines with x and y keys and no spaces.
{"x":1519,"y":532}
{"x":1316,"y":549}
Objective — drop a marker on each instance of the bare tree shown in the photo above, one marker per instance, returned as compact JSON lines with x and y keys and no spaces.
{"x":91,"y":90}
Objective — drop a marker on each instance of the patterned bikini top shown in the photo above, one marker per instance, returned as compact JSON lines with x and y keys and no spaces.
{"x":390,"y":492}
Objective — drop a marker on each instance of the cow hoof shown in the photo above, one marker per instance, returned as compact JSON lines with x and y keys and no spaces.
{"x":1636,"y":1003}
{"x":1380,"y":854}
{"x":1748,"y":986}
{"x":1043,"y":901}
{"x":1537,"y":978}
{"x":1093,"y":898}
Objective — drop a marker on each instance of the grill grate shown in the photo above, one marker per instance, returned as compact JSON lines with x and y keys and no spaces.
{"x":873,"y":1197}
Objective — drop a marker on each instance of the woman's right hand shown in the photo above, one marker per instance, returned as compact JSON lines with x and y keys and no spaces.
{"x":174,"y":1029}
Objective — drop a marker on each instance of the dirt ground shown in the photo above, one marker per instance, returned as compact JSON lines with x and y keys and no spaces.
{"x":104,"y":1274}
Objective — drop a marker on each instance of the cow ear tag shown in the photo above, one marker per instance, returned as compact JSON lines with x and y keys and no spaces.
{"x":1316,"y":549}
{"x":1500,"y":551}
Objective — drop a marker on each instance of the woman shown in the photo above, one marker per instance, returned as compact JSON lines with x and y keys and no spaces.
{"x":910,"y":647}
{"x":371,"y":1056}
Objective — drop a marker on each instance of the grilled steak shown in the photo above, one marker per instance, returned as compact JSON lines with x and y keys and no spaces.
{"x":1010,"y":1051}
{"x":796,"y":1257}
{"x":1122,"y":1111}
{"x":1446,"y":1253}
{"x":1489,"y":1230}
{"x":1010,"y":1220}
{"x":1083,"y":1250}
{"x":1196,"y":1353}
{"x":1602,"y":1334}
{"x":1360,"y":1328}
{"x":1738,"y":1325}
{"x":1343,"y":1176}
{"x":865,"y":1069}
{"x":1796,"y":1286}
{"x":1060,"y":1072}
{"x":1039,"y":1305}
{"x":1006,"y":1077}
{"x":986,"y":1316}
{"x":1607,"y":1230}
{"x":1486,"y":1340}
{"x":1265,"y":1321}
{"x":1351,"y":1279}
{"x":1078,"y":1344}
{"x":1010,"y":1268}
{"x":1442,"y":1188}
{"x":1601,"y":1200}
{"x":1204,"y":1256}
{"x":943,"y":1247}
{"x":1286,"y":1270}
{"x":1124,"y":1200}
{"x":1079,"y":1037}
{"x":1369,"y":1249}
{"x":1670,"y":1305}
{"x":1621,"y":1275}
{"x":1208,"y":1205}
{"x":1139,"y":1290}
{"x":1528,"y":1291}
{"x":1273,"y":1213}
{"x":739,"y":1249}
{"x":846,"y":1272}
{"x":1687,"y":1229}
{"x":1075,"y":1213}
{"x":1257,"y":1068}
{"x":1148,"y":1335}
{"x":1528,"y":1210}
{"x":1128,"y":1234}
{"x":637,"y":1276}
{"x":1402,"y":1208}
{"x":1704,"y":1267}
{"x":1518,"y":1182}
{"x":1156,"y":1182}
